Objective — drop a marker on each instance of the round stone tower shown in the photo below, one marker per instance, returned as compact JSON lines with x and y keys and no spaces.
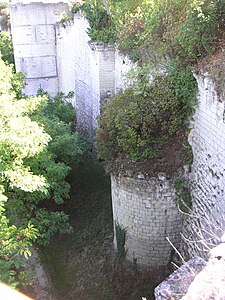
{"x":145,"y":216}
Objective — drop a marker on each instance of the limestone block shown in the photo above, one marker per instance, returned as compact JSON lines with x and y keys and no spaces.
{"x":24,"y":35}
{"x":141,"y":207}
{"x":47,"y":84}
{"x":37,"y":67}
{"x":177,"y":284}
{"x":21,"y":51}
{"x":45,"y":33}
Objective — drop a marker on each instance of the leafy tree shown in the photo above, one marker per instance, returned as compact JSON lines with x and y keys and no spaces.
{"x":6,"y":47}
{"x":36,"y":145}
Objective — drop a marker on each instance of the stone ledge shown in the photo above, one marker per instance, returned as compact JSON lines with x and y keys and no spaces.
{"x":177,"y":284}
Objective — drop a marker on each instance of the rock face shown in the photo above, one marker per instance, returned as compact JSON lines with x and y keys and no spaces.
{"x":145,"y":210}
{"x":177,"y":284}
{"x":196,"y":279}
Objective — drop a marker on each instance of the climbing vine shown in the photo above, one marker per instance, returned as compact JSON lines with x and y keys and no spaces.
{"x":183,"y":196}
{"x":120,"y":239}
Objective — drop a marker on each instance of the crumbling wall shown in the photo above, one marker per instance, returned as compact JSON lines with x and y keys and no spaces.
{"x":204,"y":227}
{"x":78,"y":66}
{"x":59,"y":57}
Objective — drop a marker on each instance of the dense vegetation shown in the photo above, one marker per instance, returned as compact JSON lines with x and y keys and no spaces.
{"x":166,"y":39}
{"x":157,"y":30}
{"x":6,"y":47}
{"x":141,"y":120}
{"x":38,"y":146}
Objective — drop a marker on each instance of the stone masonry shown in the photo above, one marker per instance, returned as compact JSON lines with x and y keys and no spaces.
{"x":197,"y":279}
{"x":147,"y":211}
{"x":205,"y":225}
{"x":60,"y":57}
{"x":34,"y":39}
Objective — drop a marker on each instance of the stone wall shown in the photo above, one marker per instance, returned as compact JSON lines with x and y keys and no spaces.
{"x":197,"y":279}
{"x":78,"y":66}
{"x":34,"y":40}
{"x":146,"y":210}
{"x":60,"y":58}
{"x":207,"y":138}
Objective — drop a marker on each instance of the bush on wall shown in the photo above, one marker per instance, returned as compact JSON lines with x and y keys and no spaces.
{"x":139,"y":123}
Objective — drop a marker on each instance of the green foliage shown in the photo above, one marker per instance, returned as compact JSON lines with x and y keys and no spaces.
{"x":64,"y":20}
{"x":140,"y":121}
{"x":19,"y":138}
{"x":101,"y":24}
{"x":15,"y":242}
{"x":4,"y":5}
{"x":198,"y":33}
{"x":183,"y":196}
{"x":50,"y":223}
{"x":157,"y":30}
{"x":6,"y":47}
{"x":58,"y":117}
{"x":120,"y":240}
{"x":38,"y":147}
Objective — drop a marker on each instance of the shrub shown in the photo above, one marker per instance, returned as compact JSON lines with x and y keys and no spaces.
{"x":100,"y":22}
{"x":167,"y":29}
{"x":6,"y":47}
{"x":140,"y":123}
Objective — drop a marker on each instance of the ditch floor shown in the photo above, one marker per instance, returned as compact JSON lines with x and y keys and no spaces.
{"x":83,"y":265}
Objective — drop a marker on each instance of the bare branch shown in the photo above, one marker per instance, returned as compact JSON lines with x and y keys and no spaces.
{"x":106,"y":7}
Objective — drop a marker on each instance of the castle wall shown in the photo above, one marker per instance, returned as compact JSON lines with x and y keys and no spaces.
{"x":78,"y":67}
{"x":207,"y":138}
{"x":34,"y":39}
{"x":147,"y":212}
{"x":61,"y":58}
{"x":58,"y":57}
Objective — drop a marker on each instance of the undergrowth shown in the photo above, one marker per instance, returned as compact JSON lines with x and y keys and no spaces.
{"x":83,"y":265}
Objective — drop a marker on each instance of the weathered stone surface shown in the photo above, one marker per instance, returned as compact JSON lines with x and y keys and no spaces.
{"x":37,"y":67}
{"x":42,"y":286}
{"x":146,"y":209}
{"x":34,"y":40}
{"x":210,"y":282}
{"x":61,"y":58}
{"x":177,"y":284}
{"x":196,"y":279}
{"x":204,"y":227}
